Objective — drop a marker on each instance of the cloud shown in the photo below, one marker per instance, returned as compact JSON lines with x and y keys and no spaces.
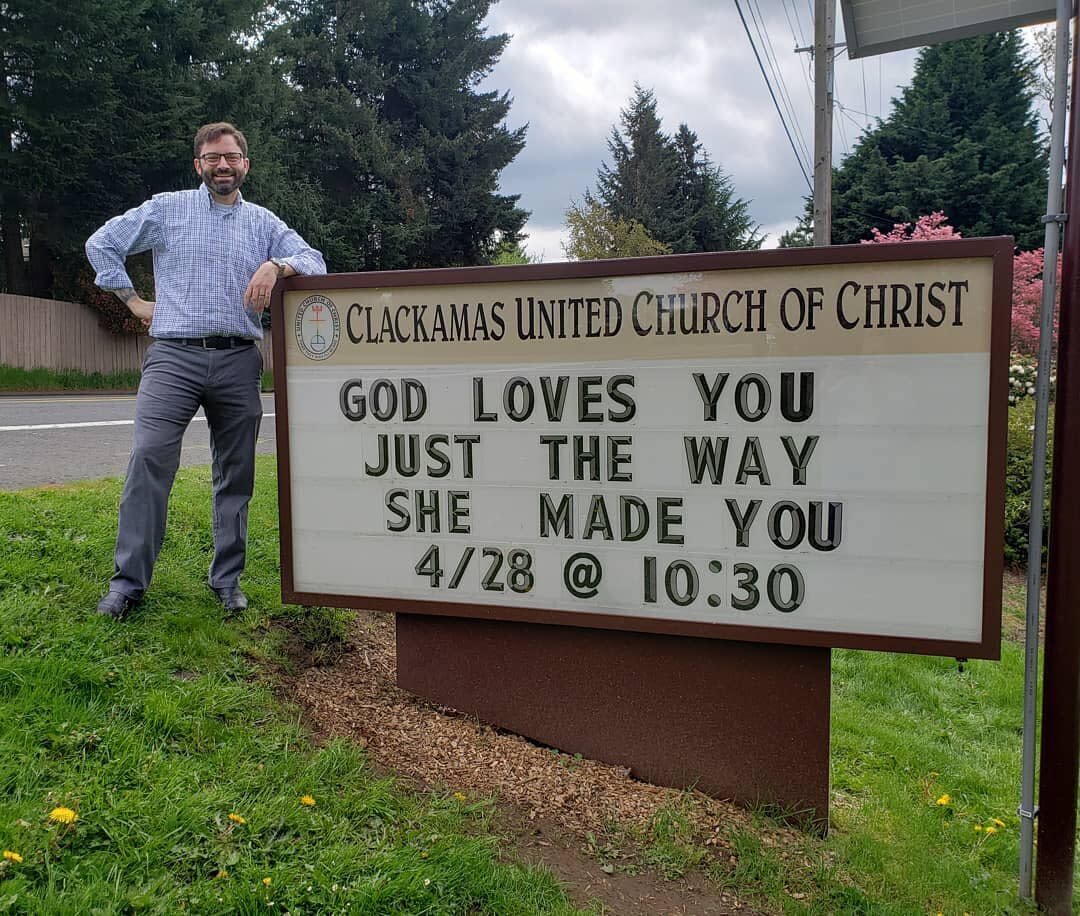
{"x":545,"y":242}
{"x":571,"y":67}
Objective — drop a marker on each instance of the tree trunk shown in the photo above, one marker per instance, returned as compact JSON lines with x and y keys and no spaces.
{"x":14,"y":265}
{"x":41,"y":256}
{"x":10,"y":224}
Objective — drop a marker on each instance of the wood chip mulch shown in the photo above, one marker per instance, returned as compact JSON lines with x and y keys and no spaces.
{"x":357,"y":697}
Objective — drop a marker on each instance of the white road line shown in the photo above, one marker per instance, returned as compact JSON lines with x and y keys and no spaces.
{"x":107,"y":399}
{"x":92,"y":423}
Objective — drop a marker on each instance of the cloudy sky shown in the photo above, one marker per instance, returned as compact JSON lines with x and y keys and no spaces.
{"x":571,"y":67}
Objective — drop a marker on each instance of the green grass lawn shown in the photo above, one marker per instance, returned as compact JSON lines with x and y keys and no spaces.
{"x":926,"y":763}
{"x":29,"y":380}
{"x":186,"y":774}
{"x":157,"y":730}
{"x":12,"y":379}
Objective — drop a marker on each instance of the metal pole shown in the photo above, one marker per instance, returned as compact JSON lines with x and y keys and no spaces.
{"x":824,"y":41}
{"x":1060,"y":746}
{"x":1051,"y":247}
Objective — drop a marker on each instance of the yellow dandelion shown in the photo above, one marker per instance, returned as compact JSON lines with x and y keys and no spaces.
{"x":991,"y":830}
{"x":459,"y":796}
{"x":267,"y":881}
{"x":11,"y":856}
{"x":424,"y":854}
{"x":236,"y":818}
{"x":999,"y":822}
{"x":978,"y":828}
{"x":944,"y":800}
{"x":63,"y":816}
{"x":307,"y":800}
{"x":223,"y":873}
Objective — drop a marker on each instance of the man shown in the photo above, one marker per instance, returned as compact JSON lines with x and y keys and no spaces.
{"x":216,"y":260}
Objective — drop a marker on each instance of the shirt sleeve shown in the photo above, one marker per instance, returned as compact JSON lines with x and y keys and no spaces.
{"x":287,"y":245}
{"x":140,"y":229}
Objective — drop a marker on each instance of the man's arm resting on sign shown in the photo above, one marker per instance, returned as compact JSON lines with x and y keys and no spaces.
{"x":261,"y":285}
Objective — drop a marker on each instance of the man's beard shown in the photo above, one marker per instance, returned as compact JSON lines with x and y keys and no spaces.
{"x":224,"y":184}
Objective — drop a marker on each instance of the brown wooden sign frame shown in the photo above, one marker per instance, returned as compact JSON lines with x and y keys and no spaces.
{"x":1000,"y":250}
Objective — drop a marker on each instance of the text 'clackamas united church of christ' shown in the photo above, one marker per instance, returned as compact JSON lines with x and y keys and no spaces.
{"x":529,"y":318}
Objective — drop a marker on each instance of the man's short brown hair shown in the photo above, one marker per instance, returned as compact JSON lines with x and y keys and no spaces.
{"x":208,"y":133}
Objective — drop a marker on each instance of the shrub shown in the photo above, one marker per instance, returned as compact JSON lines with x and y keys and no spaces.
{"x":1018,"y":464}
{"x":113,"y":315}
{"x":1022,"y":373}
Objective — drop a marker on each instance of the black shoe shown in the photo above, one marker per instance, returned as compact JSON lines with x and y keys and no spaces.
{"x":232,"y":599}
{"x":116,"y":605}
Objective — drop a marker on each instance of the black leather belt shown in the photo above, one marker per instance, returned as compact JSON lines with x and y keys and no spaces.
{"x":214,"y":343}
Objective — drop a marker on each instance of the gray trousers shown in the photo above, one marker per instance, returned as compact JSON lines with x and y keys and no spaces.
{"x":176,"y":380}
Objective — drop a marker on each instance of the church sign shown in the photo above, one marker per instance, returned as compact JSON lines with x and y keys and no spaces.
{"x":801,"y":447}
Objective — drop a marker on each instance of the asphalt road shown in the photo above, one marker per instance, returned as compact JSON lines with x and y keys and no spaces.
{"x":52,"y":439}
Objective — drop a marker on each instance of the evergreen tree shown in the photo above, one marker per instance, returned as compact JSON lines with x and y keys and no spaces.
{"x":716,"y":220}
{"x":802,"y":235}
{"x":387,"y":126}
{"x":670,"y":186}
{"x":642,"y":183}
{"x":510,"y":254}
{"x":101,"y":100}
{"x":962,"y":138}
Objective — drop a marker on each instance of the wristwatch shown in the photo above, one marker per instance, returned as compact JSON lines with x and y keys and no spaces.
{"x":280,"y":265}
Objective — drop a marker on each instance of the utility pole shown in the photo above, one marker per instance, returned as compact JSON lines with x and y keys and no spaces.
{"x":824,"y":49}
{"x":1054,"y":220}
{"x":1059,"y":759}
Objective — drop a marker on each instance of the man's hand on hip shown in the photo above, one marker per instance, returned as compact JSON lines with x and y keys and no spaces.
{"x":139,"y":307}
{"x":257,"y":294}
{"x":142,"y":309}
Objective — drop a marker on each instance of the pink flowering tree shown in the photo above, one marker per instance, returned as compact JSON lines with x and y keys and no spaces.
{"x":1027,"y":278}
{"x":1027,"y":303}
{"x":932,"y":228}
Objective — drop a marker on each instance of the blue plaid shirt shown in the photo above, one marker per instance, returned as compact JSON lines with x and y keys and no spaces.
{"x":205,"y":253}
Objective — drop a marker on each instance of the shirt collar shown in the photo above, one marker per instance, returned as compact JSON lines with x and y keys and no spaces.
{"x":211,"y":203}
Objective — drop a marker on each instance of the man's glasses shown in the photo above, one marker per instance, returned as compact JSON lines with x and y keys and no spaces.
{"x":215,"y":158}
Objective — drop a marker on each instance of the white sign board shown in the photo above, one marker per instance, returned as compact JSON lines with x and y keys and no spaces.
{"x":755,"y":446}
{"x":877,"y":26}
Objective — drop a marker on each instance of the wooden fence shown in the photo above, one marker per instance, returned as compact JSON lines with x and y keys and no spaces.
{"x":46,"y":334}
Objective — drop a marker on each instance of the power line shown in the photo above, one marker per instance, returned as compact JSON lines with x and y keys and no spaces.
{"x":840,"y":124}
{"x":772,"y":95}
{"x":797,"y":38}
{"x":799,"y":42}
{"x":846,"y":112}
{"x":866,"y":115}
{"x":880,"y":80}
{"x":778,"y":77}
{"x":778,"y":73}
{"x":798,"y":21}
{"x":865,"y":103}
